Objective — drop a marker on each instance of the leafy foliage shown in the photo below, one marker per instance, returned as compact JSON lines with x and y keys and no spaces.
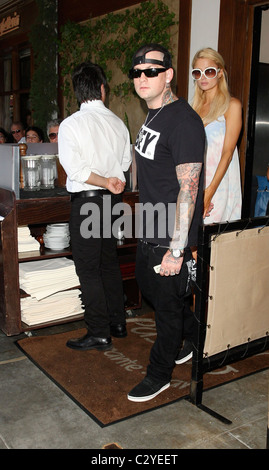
{"x":112,"y":40}
{"x":43,"y":37}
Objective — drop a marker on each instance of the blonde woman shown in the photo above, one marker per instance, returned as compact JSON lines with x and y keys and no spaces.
{"x":222,"y":118}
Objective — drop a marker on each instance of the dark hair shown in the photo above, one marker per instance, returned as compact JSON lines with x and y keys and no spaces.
{"x":139,"y":56}
{"x":5,"y":134}
{"x":37,"y":130}
{"x":87,"y":79}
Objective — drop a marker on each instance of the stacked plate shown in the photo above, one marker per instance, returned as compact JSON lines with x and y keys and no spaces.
{"x":57,"y":236}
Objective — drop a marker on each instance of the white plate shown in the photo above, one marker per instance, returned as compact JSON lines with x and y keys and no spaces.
{"x":62,"y":226}
{"x":56,"y":247}
{"x":56,"y":237}
{"x":57,"y":230}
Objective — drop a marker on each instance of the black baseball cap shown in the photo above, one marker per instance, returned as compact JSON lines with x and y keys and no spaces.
{"x":140,"y":56}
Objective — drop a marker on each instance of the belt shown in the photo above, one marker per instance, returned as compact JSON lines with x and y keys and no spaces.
{"x":149,"y":243}
{"x":90,"y":193}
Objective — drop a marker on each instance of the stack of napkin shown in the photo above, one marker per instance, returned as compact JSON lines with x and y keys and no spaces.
{"x":25,"y":240}
{"x":60,"y":305}
{"x":46,"y":282}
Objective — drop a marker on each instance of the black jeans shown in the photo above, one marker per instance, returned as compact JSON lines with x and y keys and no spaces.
{"x":166,"y":294}
{"x":97,"y":266}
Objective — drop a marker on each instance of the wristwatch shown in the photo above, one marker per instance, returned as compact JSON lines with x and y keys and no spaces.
{"x":177,"y":253}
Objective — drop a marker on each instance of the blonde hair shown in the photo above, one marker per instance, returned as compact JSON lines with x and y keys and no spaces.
{"x":222,"y":98}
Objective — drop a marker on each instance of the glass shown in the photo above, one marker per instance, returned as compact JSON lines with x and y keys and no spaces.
{"x":48,"y":171}
{"x":153,"y":72}
{"x":31,"y":173}
{"x":209,"y":72}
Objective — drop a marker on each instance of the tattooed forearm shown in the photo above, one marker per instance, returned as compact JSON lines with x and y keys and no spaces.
{"x":188,"y":176}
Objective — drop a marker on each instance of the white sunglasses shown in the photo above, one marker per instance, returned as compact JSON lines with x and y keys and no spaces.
{"x":209,"y":72}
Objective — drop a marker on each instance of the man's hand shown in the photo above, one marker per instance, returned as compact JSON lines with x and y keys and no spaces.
{"x":115,"y":185}
{"x":170,"y":266}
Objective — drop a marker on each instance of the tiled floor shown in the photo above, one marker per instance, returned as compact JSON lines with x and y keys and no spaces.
{"x":36,"y":414}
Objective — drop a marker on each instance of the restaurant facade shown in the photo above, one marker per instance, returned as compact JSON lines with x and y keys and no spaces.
{"x":237,"y":26}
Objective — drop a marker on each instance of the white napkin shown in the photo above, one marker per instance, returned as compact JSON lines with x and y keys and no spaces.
{"x":46,"y":277}
{"x":25,"y":240}
{"x":59,"y":305}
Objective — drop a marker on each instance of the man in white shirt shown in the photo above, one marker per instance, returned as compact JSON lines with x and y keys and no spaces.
{"x":94,"y":150}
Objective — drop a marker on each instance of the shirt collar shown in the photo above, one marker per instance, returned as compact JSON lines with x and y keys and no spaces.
{"x":92,"y":104}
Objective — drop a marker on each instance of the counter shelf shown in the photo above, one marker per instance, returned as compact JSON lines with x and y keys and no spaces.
{"x":37,"y":209}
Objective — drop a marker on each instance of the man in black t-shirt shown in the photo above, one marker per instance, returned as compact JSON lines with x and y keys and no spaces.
{"x":169,"y":155}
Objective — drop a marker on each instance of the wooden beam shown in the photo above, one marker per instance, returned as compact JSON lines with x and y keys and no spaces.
{"x":76,"y":10}
{"x":183,"y":60}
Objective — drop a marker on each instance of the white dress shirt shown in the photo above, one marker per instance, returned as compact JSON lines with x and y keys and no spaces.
{"x":93,"y":139}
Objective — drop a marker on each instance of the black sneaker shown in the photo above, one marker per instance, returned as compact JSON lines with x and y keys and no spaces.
{"x":185,"y":353}
{"x":147,"y":389}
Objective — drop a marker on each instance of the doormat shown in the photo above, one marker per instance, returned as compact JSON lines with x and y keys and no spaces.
{"x":100,"y":381}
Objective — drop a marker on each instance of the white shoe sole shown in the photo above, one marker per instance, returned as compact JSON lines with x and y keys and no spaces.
{"x":148,"y":397}
{"x":184,"y":359}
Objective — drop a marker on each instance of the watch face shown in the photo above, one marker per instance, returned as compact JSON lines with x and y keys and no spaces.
{"x":176,"y":253}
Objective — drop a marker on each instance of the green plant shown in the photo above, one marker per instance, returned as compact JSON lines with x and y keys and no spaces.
{"x":43,"y":38}
{"x":111,"y":41}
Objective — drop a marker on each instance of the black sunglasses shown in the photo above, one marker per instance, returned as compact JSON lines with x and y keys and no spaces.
{"x":16,"y":131}
{"x":136,"y":73}
{"x":53,"y":135}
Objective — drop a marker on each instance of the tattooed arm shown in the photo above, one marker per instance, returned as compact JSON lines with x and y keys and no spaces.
{"x":188,"y":175}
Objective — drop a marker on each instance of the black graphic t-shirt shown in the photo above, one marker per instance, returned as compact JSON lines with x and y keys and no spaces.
{"x":174,"y":136}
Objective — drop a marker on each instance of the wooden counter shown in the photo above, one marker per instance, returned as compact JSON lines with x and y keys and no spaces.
{"x":37,"y":210}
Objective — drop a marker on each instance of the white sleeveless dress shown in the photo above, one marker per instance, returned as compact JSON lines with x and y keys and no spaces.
{"x":227,"y":199}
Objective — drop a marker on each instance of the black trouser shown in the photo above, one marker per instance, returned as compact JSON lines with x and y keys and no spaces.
{"x":166,"y":294}
{"x":97,"y":267}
